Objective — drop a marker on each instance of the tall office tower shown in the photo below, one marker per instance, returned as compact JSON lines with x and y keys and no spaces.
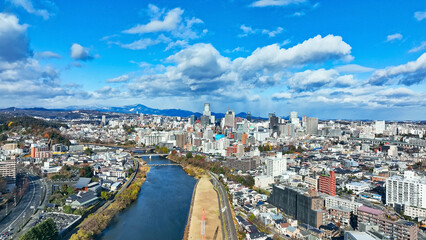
{"x":248,"y":117}
{"x":103,"y":119}
{"x":230,"y":119}
{"x":192,"y":119}
{"x":327,"y":184}
{"x":273,"y":122}
{"x":294,"y":119}
{"x":379,"y":126}
{"x":409,"y":190}
{"x":207,"y":118}
{"x":289,"y":130}
{"x":311,"y":126}
{"x":206,"y":111}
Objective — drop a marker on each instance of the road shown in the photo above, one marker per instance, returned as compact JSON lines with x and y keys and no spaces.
{"x":229,"y":222}
{"x":25,"y":209}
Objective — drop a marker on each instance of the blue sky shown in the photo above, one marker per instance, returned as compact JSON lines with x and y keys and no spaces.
{"x":327,"y":59}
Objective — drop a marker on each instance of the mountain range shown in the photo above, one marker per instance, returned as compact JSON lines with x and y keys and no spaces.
{"x":134,"y":109}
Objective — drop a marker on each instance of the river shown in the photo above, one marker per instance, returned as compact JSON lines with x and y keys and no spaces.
{"x":162,"y":208}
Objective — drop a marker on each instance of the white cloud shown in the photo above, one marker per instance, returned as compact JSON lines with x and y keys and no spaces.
{"x":420,"y":15}
{"x":353,"y":68}
{"x":28,"y":6}
{"x":200,"y":70}
{"x":299,"y":14}
{"x":266,"y":3}
{"x":172,"y":25}
{"x":177,"y":43}
{"x":281,"y":96}
{"x":120,"y":79}
{"x":393,"y":37}
{"x":46,"y":54}
{"x":317,"y":49}
{"x":169,"y":23}
{"x":312,"y":80}
{"x":272,"y":33}
{"x":407,"y":74}
{"x":247,"y":30}
{"x":145,"y":42}
{"x":13,"y":39}
{"x":79,"y":52}
{"x":418,"y":48}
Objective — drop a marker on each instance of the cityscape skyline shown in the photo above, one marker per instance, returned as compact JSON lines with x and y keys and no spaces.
{"x":363,"y":61}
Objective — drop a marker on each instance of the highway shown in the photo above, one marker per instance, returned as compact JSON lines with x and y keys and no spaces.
{"x":25,"y":209}
{"x":229,"y":222}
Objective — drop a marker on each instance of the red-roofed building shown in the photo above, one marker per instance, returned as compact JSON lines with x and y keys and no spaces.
{"x":327,"y":184}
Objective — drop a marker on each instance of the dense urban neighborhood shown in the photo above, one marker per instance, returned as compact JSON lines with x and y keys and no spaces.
{"x":285,"y":177}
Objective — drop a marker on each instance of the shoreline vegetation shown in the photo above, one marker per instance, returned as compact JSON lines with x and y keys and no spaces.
{"x":97,"y":222}
{"x":197,"y":166}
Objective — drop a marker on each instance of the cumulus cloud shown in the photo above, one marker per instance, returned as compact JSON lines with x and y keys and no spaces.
{"x":171,"y":21}
{"x":168,"y":23}
{"x":120,"y":79}
{"x":266,"y":3}
{"x":46,"y":54}
{"x":418,"y":48}
{"x":14,"y":44}
{"x":313,"y":50}
{"x":177,"y":43}
{"x":393,"y":37}
{"x":79,"y":52}
{"x":312,"y":80}
{"x":420,"y":15}
{"x":407,"y":74}
{"x":281,"y":96}
{"x":28,"y":6}
{"x":201,"y":70}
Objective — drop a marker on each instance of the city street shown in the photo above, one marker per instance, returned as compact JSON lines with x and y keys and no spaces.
{"x":229,"y":223}
{"x":25,"y":209}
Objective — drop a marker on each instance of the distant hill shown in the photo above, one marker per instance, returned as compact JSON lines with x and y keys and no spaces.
{"x":68,"y":113}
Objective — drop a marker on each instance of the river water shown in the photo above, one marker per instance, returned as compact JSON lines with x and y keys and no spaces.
{"x":162,"y":208}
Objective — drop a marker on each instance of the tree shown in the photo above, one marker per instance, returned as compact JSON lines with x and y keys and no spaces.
{"x":105,"y":195}
{"x":67,"y":209}
{"x":88,"y":151}
{"x":189,"y":155}
{"x":44,"y":231}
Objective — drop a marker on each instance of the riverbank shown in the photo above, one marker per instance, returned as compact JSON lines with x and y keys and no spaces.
{"x":99,"y":221}
{"x":205,"y":198}
{"x":191,"y":170}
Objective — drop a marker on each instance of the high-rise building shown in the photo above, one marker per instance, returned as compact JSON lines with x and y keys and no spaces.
{"x":294,"y":119}
{"x":206,"y":111}
{"x":409,"y":190}
{"x":276,"y":166}
{"x":103,"y":120}
{"x":305,"y":206}
{"x":230,"y":119}
{"x":379,"y":126}
{"x":192,"y":119}
{"x":273,"y":122}
{"x":327,"y":184}
{"x":248,"y":116}
{"x":311,"y":126}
